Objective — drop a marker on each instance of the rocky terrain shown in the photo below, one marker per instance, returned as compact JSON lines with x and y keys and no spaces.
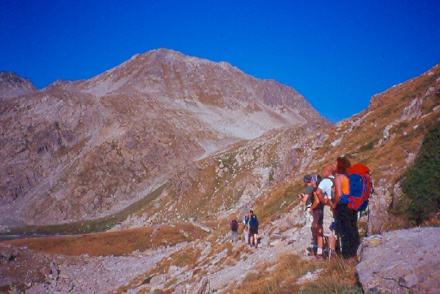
{"x":166,"y":139}
{"x":12,"y":85}
{"x":401,"y":262}
{"x":395,"y":262}
{"x":82,"y":150}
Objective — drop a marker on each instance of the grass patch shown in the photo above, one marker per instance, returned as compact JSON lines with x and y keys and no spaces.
{"x":368,"y":146}
{"x":339,"y":276}
{"x":421,"y":200}
{"x":88,"y":226}
{"x":281,"y":280}
{"x":336,"y":276}
{"x":113,"y":243}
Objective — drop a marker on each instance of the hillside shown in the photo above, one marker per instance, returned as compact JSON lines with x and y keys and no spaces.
{"x":266,"y":172}
{"x":176,"y":238}
{"x":88,"y":149}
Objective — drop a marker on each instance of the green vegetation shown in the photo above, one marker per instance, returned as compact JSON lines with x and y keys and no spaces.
{"x":421,"y":182}
{"x":87,"y":226}
{"x":368,"y":146}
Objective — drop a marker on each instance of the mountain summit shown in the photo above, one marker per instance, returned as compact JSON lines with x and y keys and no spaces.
{"x":215,"y":93}
{"x":12,"y":85}
{"x":82,"y":150}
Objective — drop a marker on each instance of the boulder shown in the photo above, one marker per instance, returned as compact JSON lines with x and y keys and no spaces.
{"x":404,"y":261}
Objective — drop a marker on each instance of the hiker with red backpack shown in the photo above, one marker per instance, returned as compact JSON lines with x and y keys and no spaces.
{"x":234,"y":230}
{"x":352,"y":191}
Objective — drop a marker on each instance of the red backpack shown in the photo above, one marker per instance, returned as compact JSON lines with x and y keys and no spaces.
{"x":360,"y":187}
{"x":234,"y":225}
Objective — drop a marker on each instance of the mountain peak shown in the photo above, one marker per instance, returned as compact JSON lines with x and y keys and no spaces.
{"x":168,"y":75}
{"x":12,"y":85}
{"x":160,"y":109}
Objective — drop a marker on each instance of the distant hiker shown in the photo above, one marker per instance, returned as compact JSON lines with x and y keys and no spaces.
{"x":326,"y":194}
{"x":345,"y":218}
{"x":317,"y":210}
{"x":234,"y":230}
{"x":246,"y":228}
{"x":253,"y":229}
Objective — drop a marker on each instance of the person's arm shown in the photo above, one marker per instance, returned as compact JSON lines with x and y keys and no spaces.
{"x":315,"y":202}
{"x":303,"y":197}
{"x":320,"y":196}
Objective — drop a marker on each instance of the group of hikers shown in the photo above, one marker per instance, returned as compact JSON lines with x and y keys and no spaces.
{"x":250,"y":229}
{"x":331,"y":210}
{"x":333,"y":220}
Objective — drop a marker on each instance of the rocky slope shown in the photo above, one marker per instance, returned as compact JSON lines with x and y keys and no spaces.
{"x":86,"y":149}
{"x":12,"y":85}
{"x":386,"y":137}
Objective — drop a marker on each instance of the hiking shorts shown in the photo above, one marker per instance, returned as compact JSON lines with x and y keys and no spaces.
{"x":328,"y":219}
{"x":253,"y":230}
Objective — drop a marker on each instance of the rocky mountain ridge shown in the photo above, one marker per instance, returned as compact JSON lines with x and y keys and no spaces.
{"x":12,"y":85}
{"x":85,"y":149}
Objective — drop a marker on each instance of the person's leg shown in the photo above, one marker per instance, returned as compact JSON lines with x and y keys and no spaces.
{"x":320,"y":234}
{"x":327,"y":227}
{"x":251,"y":236}
{"x":352,"y":234}
{"x":349,"y":232}
{"x":315,"y":231}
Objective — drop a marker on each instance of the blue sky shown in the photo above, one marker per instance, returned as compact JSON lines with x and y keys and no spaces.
{"x":337,"y":54}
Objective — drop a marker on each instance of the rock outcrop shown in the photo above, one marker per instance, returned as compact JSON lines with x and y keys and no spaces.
{"x":405,"y":261}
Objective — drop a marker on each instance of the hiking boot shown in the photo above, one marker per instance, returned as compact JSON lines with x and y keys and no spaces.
{"x":312,"y":250}
{"x":319,"y":257}
{"x":333,"y":256}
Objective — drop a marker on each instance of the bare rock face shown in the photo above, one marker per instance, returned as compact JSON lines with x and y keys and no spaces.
{"x":405,"y":261}
{"x":12,"y":85}
{"x":81,"y":150}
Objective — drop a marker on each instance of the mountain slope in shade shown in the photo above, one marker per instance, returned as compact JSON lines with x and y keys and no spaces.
{"x":81,"y":150}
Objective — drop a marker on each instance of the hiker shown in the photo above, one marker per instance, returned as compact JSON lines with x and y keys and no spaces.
{"x":307,"y":198}
{"x":316,"y":209}
{"x":246,"y":228}
{"x":345,"y":218}
{"x":234,"y":230}
{"x":325,"y":194}
{"x":253,"y":229}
